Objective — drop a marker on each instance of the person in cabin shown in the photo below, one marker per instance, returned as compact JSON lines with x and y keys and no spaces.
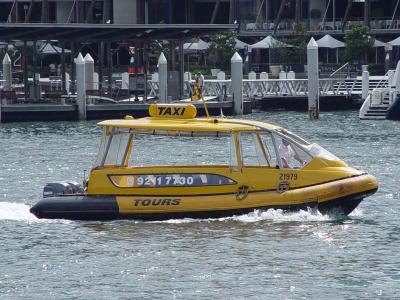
{"x":288,"y":155}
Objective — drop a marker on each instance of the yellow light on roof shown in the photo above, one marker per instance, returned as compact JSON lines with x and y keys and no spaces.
{"x":173,"y":111}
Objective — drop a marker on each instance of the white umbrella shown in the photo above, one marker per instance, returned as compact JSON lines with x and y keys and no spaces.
{"x":329,"y":42}
{"x":240,"y":45}
{"x":376,"y":45}
{"x":196,"y":46}
{"x":269,"y":42}
{"x":51,"y":49}
{"x":395,"y":42}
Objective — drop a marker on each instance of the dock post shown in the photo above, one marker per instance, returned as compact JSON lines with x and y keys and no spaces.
{"x":237,"y":83}
{"x":365,"y":84}
{"x":80,"y":87}
{"x":162,"y":78}
{"x":7,"y":74}
{"x":89,"y":72}
{"x":313,"y":80}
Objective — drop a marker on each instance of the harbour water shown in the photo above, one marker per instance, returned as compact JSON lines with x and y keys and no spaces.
{"x":262,"y":255}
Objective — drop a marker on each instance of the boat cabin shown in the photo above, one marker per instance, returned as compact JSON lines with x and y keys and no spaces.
{"x":198,"y":142}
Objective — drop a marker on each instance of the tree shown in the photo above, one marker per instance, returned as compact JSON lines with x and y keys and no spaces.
{"x":222,"y":47}
{"x":358,"y":43}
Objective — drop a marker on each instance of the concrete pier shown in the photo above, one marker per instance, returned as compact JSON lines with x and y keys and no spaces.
{"x":365,"y":85}
{"x":237,"y":86}
{"x":313,"y":80}
{"x":89,"y":72}
{"x":7,"y":73}
{"x":80,"y":87}
{"x":7,"y":76}
{"x":162,"y":78}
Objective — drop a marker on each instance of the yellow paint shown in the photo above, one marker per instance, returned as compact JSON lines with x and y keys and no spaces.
{"x":307,"y":195}
{"x":319,"y":181}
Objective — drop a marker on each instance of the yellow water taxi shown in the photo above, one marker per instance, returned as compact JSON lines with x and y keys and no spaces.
{"x":213,"y":167}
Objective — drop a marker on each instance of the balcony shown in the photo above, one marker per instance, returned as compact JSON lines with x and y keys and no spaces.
{"x":287,"y":26}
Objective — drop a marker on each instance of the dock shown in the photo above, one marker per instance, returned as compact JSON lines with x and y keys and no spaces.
{"x":69,"y":112}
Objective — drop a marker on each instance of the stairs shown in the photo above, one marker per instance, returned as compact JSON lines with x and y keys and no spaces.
{"x":372,"y":110}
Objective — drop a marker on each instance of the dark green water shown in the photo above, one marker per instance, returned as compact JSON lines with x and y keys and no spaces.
{"x":263,"y":255}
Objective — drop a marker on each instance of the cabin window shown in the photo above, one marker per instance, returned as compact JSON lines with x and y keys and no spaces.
{"x":114,"y":147}
{"x":290,"y":155}
{"x":209,"y":149}
{"x":252,"y":150}
{"x":269,"y":148}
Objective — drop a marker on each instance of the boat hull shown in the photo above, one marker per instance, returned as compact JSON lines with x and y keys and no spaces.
{"x":338,"y":197}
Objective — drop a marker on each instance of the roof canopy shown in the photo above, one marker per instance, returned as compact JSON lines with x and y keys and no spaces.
{"x":330,"y":42}
{"x":395,"y":42}
{"x":51,"y":49}
{"x":240,"y":45}
{"x":109,"y":32}
{"x":200,"y":45}
{"x":378,"y":44}
{"x":269,"y":42}
{"x":202,"y":125}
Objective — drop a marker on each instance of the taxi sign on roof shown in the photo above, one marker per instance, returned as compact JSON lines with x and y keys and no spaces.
{"x":173,"y":111}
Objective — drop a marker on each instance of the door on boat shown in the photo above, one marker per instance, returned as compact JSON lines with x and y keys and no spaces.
{"x":258,"y":159}
{"x":271,"y":161}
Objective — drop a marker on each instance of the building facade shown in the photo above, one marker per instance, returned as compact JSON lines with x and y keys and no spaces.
{"x":256,"y":17}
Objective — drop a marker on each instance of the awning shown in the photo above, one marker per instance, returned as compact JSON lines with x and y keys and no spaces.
{"x":378,"y":44}
{"x":51,"y":49}
{"x":395,"y":42}
{"x":241,"y":45}
{"x":330,"y":42}
{"x":200,"y":45}
{"x":269,"y":42}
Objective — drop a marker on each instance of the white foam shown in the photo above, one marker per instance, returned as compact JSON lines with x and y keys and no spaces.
{"x":15,"y":211}
{"x":356,"y":213}
{"x":273,"y":215}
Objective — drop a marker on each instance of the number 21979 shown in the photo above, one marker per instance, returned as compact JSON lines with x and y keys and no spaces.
{"x":288,"y":176}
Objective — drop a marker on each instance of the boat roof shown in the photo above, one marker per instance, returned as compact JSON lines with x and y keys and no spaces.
{"x":197,"y":124}
{"x":172,"y":117}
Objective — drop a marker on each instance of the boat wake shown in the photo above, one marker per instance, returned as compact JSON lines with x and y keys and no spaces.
{"x":271,"y":215}
{"x":16,"y":212}
{"x":20,"y":212}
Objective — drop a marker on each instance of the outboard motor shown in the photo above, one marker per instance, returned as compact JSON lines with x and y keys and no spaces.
{"x":60,"y":188}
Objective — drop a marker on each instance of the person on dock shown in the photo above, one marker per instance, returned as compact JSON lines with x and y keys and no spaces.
{"x":198,"y":87}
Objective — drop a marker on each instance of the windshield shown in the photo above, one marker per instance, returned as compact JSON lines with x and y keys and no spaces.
{"x":293,"y":137}
{"x":291,"y":155}
{"x":317,"y":150}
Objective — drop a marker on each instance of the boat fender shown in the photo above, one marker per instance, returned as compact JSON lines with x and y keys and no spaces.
{"x":242,"y":192}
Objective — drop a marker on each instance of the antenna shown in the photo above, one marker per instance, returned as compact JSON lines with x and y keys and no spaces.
{"x":84,"y":182}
